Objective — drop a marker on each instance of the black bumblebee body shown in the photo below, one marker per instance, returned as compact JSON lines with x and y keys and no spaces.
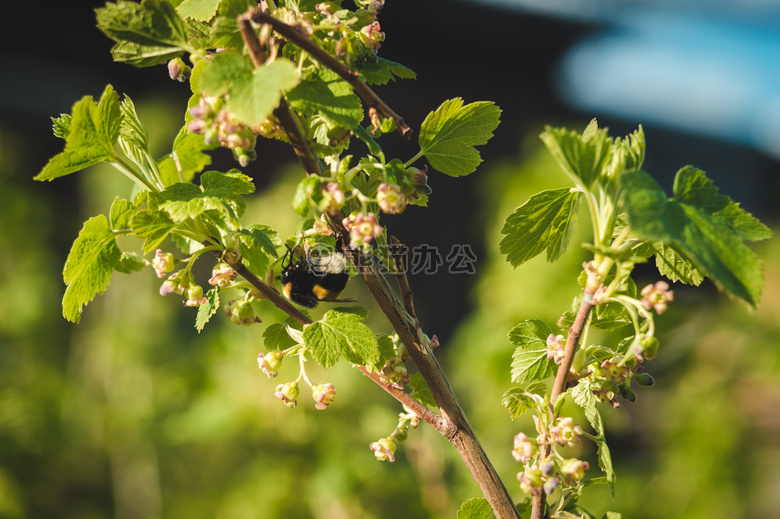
{"x":314,"y":278}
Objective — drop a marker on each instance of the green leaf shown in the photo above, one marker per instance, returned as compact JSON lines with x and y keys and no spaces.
{"x":89,"y":266}
{"x":146,"y":34}
{"x":612,"y":515}
{"x":202,"y":10}
{"x":60,"y":126}
{"x":675,"y":265}
{"x":386,"y":352}
{"x":217,"y":191}
{"x":206,"y":310}
{"x":545,"y":221}
{"x":151,"y":225}
{"x":276,"y":338}
{"x":253,"y":92}
{"x":691,"y":186}
{"x":326,"y":94}
{"x":217,"y":184}
{"x":694,"y":221}
{"x":121,"y":213}
{"x":517,"y":401}
{"x":582,"y":157}
{"x":529,"y":361}
{"x":130,"y":262}
{"x":475,"y":508}
{"x":188,"y":151}
{"x":92,"y":134}
{"x":605,"y":462}
{"x":256,"y":235}
{"x":449,"y":134}
{"x":420,"y":392}
{"x":382,"y":71}
{"x":341,"y":333}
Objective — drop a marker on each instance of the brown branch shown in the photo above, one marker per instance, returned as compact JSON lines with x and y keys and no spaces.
{"x":403,"y":282}
{"x":347,"y":74}
{"x":460,"y":433}
{"x":561,"y":379}
{"x":452,"y":423}
{"x":289,"y":122}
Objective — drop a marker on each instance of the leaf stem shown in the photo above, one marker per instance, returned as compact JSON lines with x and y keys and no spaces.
{"x":561,"y":378}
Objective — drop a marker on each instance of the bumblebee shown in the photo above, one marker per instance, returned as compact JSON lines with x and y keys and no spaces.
{"x":315,"y":277}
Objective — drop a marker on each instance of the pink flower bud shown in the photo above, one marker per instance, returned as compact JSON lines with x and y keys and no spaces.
{"x":323,"y":394}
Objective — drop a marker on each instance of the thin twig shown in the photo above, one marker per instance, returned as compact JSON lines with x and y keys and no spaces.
{"x":347,"y":74}
{"x":561,"y":379}
{"x":403,"y":282}
{"x":462,"y":436}
{"x":282,"y":112}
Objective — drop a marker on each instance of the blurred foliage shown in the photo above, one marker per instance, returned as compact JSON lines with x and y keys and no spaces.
{"x":133,"y":414}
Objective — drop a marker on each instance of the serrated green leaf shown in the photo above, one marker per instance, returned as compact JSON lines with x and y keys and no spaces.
{"x":448,"y":135}
{"x":146,"y":34}
{"x":584,"y":397}
{"x":691,"y":186}
{"x":529,"y":361}
{"x":475,"y":508}
{"x":582,"y":157}
{"x":253,"y":92}
{"x":151,"y":225}
{"x":256,"y":236}
{"x":693,"y":222}
{"x":420,"y":392}
{"x":202,"y":10}
{"x":187,"y":151}
{"x":382,"y":71}
{"x":675,"y":265}
{"x":217,"y":184}
{"x":120,"y":214}
{"x":326,"y":94}
{"x":605,"y":462}
{"x":544,"y":222}
{"x":386,"y":352}
{"x":206,"y":310}
{"x":276,"y":338}
{"x":612,"y":515}
{"x":340,"y":333}
{"x":182,"y":201}
{"x":92,"y":134}
{"x":60,"y":126}
{"x":130,"y":262}
{"x":89,"y":266}
{"x":517,"y":401}
{"x":132,"y":130}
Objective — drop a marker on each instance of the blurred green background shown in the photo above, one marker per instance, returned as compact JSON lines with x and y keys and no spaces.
{"x":132,"y":414}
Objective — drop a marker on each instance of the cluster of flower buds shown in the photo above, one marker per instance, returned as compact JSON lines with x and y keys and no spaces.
{"x":390,"y":198}
{"x":657,"y":296}
{"x":333,"y":198}
{"x":222,"y":275}
{"x":181,"y":283}
{"x":217,"y":125}
{"x":384,"y":449}
{"x":544,"y":478}
{"x":362,"y":228}
{"x":555,"y":348}
{"x":178,"y":70}
{"x":525,"y":448}
{"x":241,"y":312}
{"x":564,"y":432}
{"x":162,"y":263}
{"x":323,"y":395}
{"x":288,"y":393}
{"x":269,"y":363}
{"x":394,"y":373}
{"x":372,"y":36}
